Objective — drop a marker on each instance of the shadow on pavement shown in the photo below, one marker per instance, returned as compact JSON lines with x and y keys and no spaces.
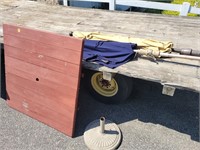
{"x":3,"y":88}
{"x":146,"y":104}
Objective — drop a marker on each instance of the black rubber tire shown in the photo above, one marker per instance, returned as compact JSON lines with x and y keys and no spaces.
{"x":125,"y":87}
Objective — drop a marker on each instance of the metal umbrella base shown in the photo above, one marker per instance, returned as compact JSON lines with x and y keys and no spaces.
{"x":102,"y":135}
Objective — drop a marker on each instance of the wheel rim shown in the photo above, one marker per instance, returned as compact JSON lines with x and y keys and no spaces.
{"x":104,"y":87}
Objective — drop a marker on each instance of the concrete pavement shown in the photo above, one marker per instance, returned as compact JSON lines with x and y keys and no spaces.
{"x":149,"y":120}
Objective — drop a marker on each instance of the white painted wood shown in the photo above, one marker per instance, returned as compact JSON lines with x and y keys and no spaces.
{"x":185,"y":9}
{"x":168,"y":90}
{"x":65,"y":2}
{"x":195,"y":10}
{"x":107,"y":75}
{"x":112,"y":4}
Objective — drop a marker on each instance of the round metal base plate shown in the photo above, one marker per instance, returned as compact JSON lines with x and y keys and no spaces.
{"x":109,"y":140}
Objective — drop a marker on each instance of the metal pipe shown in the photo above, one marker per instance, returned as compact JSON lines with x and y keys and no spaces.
{"x":187,"y":51}
{"x":102,"y":124}
{"x":179,"y":56}
{"x":158,"y":54}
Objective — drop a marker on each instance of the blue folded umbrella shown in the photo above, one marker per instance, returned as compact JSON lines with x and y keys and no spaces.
{"x":108,"y":53}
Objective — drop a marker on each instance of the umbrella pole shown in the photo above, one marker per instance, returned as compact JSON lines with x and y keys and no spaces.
{"x":152,"y":53}
{"x":179,"y":56}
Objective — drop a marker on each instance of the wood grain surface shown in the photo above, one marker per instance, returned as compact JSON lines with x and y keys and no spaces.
{"x":184,"y":32}
{"x":43,"y":75}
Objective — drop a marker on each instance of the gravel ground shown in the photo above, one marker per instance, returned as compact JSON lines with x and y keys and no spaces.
{"x":149,"y":120}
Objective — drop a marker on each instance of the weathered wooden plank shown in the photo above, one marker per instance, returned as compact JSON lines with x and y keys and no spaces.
{"x":115,"y":26}
{"x":184,"y":32}
{"x":53,"y":2}
{"x":58,"y":19}
{"x":155,"y":74}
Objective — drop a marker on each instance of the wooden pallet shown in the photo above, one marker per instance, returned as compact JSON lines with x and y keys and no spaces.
{"x":43,"y":75}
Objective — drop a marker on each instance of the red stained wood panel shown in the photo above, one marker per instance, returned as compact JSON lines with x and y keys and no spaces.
{"x":43,"y":37}
{"x":43,"y":61}
{"x":57,"y":93}
{"x":41,"y":100}
{"x":43,"y":75}
{"x":60,"y":53}
{"x":40,"y":113}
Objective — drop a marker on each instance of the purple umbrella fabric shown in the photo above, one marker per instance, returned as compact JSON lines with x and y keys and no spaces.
{"x":108,"y":53}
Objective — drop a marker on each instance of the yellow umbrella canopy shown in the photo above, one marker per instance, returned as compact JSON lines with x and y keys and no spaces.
{"x":155,"y":45}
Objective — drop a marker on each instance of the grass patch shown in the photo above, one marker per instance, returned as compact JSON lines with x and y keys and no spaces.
{"x":175,"y":13}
